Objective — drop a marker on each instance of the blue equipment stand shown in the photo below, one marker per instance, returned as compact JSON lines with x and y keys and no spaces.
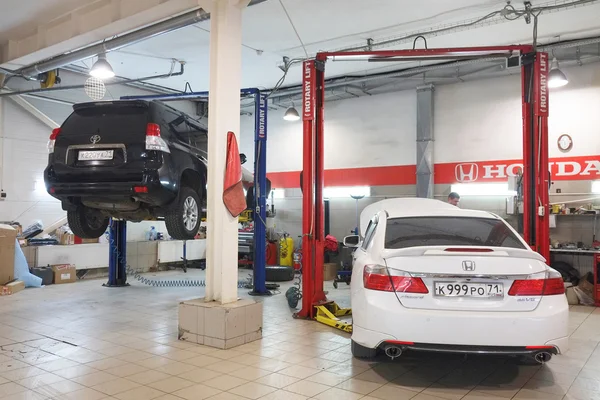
{"x":260,"y":195}
{"x":117,"y":258}
{"x":260,"y":176}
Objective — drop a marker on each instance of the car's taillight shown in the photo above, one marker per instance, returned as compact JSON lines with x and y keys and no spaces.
{"x":52,"y":140}
{"x":153,"y":139}
{"x":378,"y":277}
{"x":140,"y":189}
{"x":548,"y":285}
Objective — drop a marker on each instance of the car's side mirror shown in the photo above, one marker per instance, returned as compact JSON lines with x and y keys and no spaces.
{"x":352,"y":241}
{"x":243,"y":158}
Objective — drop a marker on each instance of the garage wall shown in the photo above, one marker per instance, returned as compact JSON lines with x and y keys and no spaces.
{"x":362,"y":132}
{"x":24,"y":158}
{"x":474,"y":121}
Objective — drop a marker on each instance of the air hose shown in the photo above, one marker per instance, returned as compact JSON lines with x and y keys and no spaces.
{"x":167,"y":282}
{"x":294,"y":294}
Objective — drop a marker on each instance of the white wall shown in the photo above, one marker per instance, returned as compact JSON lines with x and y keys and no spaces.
{"x":481,"y":120}
{"x":361,"y":132}
{"x":25,"y":156}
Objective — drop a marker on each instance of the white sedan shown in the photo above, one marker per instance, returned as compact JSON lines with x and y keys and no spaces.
{"x":430,"y":276}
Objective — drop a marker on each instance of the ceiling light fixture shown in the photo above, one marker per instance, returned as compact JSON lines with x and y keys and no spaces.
{"x":291,"y":114}
{"x":102,"y":68}
{"x":556,"y":78}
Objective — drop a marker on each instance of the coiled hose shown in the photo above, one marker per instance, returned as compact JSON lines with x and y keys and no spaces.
{"x":170,"y":282}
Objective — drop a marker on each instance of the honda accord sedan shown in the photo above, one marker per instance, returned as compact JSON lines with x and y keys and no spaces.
{"x":429,"y":276}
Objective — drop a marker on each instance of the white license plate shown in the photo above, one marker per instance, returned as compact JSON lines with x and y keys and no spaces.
{"x":468,"y":289}
{"x":96,"y":155}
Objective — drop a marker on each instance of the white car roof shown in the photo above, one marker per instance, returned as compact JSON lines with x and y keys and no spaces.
{"x":416,"y":207}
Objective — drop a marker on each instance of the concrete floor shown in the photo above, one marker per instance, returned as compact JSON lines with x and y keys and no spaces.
{"x":81,"y":341}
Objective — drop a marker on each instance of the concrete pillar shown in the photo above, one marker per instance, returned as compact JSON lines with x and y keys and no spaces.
{"x":223,"y":116}
{"x":425,"y":141}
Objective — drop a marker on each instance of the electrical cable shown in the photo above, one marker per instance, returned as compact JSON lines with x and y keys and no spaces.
{"x":508,"y":12}
{"x":294,"y":27}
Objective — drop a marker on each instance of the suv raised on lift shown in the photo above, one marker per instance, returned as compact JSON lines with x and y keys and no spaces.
{"x":132,"y":160}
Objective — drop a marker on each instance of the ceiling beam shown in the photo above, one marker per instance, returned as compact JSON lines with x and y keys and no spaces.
{"x":88,"y":25}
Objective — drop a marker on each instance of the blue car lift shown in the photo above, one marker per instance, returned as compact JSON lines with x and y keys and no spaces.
{"x":117,"y":273}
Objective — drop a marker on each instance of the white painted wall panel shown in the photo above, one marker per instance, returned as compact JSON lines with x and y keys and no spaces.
{"x":24,"y":158}
{"x":363,"y":132}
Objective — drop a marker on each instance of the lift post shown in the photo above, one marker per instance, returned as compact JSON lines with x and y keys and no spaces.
{"x":536,"y":177}
{"x":117,"y":257}
{"x":260,"y":194}
{"x":260,"y":185}
{"x":535,"y":70}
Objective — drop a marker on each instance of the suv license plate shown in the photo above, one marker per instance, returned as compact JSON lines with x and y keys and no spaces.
{"x":468,"y":289}
{"x":96,"y":155}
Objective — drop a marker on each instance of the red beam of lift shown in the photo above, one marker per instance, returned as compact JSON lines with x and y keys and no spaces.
{"x":535,"y":70}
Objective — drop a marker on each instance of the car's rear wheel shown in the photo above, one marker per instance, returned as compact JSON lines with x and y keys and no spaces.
{"x":183,"y":219}
{"x":87,"y":223}
{"x":359,"y":351}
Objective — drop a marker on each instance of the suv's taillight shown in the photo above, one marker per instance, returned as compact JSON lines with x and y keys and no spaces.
{"x":153,"y":139}
{"x":551,"y":283}
{"x":378,"y":277}
{"x":52,"y":140}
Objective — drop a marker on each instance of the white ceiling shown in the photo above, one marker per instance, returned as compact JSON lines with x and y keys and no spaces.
{"x":19,"y":18}
{"x":330,"y":25}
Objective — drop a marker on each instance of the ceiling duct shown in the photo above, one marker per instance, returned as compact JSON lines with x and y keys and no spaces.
{"x":169,"y":25}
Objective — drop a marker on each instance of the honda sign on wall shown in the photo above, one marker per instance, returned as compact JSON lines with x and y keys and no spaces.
{"x":566,"y":169}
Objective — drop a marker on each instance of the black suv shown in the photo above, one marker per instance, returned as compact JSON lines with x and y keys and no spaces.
{"x":133,"y":160}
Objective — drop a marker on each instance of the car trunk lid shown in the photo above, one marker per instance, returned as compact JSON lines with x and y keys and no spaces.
{"x":103,"y":141}
{"x":464,"y":278}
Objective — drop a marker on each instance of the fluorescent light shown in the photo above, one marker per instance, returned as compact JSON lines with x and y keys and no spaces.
{"x":556,"y":78}
{"x":347,"y":191}
{"x":482,"y":189}
{"x":278,"y":193}
{"x":596,"y":187}
{"x":102,"y":68}
{"x":291,"y":114}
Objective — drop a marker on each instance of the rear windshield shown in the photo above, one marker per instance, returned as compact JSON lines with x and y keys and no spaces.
{"x":106,"y":118}
{"x":454,"y":231}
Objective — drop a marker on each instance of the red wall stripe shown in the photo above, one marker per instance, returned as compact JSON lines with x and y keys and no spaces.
{"x":564,"y":168}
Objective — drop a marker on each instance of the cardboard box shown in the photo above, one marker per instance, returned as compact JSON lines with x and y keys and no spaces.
{"x":8,"y":239}
{"x":64,"y":273}
{"x":66,"y":239}
{"x":79,"y":240}
{"x":12,"y":288}
{"x":19,"y":230}
{"x":329,"y":271}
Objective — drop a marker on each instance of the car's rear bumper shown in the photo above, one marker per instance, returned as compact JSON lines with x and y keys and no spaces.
{"x":153,"y":193}
{"x":378,"y":317}
{"x":492,"y":350}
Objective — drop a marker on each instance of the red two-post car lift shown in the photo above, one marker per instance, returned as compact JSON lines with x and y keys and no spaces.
{"x":534,"y":77}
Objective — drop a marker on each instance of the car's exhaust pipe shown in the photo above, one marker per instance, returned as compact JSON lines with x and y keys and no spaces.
{"x":542,"y":357}
{"x":393,"y":352}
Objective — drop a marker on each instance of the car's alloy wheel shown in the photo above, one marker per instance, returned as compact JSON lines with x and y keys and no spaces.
{"x":183,"y":218}
{"x":190,"y":213}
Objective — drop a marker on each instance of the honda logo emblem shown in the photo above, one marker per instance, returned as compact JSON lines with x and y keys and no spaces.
{"x":468,"y":265}
{"x":468,"y":172}
{"x":95,"y":139}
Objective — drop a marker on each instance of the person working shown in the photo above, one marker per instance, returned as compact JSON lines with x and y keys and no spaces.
{"x":453,"y":198}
